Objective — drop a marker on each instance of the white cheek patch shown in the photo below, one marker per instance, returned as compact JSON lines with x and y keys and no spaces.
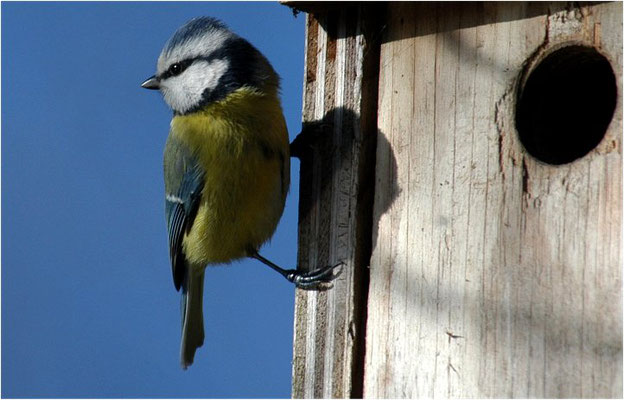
{"x":184,"y":92}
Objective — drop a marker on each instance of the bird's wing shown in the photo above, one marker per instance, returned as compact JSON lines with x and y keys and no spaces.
{"x":183,"y":185}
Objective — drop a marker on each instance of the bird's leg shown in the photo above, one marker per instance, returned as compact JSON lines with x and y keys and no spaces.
{"x":301,"y":279}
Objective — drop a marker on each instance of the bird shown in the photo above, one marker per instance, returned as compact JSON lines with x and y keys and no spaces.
{"x":226,"y":162}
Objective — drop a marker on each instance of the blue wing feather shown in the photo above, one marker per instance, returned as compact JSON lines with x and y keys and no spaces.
{"x":183,"y":184}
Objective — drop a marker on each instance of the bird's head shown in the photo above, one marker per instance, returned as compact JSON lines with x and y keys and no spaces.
{"x":204,"y":62}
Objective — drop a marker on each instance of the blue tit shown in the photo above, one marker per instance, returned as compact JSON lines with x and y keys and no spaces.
{"x":226,"y":161}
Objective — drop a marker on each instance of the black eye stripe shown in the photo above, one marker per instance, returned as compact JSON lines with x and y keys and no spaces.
{"x":184,"y":64}
{"x":177,"y":68}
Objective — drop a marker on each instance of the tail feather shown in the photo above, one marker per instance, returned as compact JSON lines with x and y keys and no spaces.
{"x":192,"y":317}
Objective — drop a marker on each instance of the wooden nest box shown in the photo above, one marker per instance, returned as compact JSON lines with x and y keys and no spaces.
{"x":465,"y":162}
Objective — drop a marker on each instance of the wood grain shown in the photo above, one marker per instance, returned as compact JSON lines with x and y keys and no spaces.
{"x":492,"y":274}
{"x":335,"y":210}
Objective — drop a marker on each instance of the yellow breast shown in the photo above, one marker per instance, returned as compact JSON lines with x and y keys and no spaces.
{"x":242,"y":145}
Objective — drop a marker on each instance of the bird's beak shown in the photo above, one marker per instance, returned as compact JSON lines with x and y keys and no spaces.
{"x":151,"y":83}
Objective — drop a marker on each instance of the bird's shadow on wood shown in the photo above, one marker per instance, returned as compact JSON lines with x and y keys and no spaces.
{"x":337,"y":182}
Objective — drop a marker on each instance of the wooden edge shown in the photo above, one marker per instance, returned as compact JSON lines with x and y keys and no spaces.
{"x":314,"y":7}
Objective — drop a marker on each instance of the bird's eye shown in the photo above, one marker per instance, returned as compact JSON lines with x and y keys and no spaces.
{"x":175,"y":69}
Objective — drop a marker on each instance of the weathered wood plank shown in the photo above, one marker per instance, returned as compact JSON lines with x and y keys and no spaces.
{"x":492,"y":274}
{"x":335,"y":214}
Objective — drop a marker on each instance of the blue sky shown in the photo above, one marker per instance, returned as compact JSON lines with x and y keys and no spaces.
{"x":88,"y":303}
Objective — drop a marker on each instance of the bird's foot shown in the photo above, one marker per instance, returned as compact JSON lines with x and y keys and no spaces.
{"x":317,"y":279}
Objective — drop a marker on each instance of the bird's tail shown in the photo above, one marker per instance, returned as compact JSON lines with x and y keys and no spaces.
{"x":192,"y":317}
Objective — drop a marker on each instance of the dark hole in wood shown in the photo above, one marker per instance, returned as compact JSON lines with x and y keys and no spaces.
{"x":566,"y":105}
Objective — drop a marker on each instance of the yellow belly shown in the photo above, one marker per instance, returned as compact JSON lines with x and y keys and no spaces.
{"x":242,"y":146}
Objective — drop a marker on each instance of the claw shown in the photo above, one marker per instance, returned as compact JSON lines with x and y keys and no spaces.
{"x":313,"y":279}
{"x":319,"y":279}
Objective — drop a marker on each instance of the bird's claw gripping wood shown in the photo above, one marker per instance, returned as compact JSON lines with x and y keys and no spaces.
{"x":314,"y":279}
{"x":304,"y":279}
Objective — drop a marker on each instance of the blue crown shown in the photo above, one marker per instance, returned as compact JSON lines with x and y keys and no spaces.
{"x":196,"y":27}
